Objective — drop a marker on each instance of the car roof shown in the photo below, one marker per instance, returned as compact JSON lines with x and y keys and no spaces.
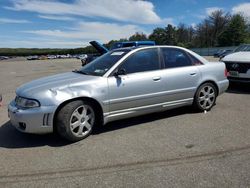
{"x":137,"y":42}
{"x":128,"y":49}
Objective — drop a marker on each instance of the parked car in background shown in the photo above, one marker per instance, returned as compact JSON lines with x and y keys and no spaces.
{"x":122,"y":83}
{"x":51,"y":56}
{"x":132,"y":44}
{"x":238,"y":65}
{"x":217,"y":53}
{"x":43,"y":57}
{"x":83,"y":58}
{"x":3,"y":57}
{"x":225,"y":53}
{"x":222,"y":53}
{"x":34,"y":57}
{"x":241,"y":48}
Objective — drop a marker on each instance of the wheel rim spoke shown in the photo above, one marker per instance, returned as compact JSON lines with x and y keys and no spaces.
{"x":89,"y":117}
{"x":209,"y":102}
{"x":201,"y":99}
{"x":87,"y":125}
{"x":80,"y":130}
{"x":211,"y":95}
{"x":204,"y":104}
{"x":77,"y":115}
{"x":75,"y":125}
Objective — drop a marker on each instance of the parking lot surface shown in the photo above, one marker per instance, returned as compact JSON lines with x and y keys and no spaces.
{"x":176,"y":148}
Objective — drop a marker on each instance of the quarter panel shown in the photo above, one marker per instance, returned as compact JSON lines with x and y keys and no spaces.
{"x":182,"y":81}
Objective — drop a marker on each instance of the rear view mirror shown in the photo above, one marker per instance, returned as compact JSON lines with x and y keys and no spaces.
{"x":120,"y":72}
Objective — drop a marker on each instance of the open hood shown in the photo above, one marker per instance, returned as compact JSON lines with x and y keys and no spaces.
{"x":99,"y":47}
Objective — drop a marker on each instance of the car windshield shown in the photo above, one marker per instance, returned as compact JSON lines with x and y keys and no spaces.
{"x":102,"y":64}
{"x":242,"y":48}
{"x":247,"y":48}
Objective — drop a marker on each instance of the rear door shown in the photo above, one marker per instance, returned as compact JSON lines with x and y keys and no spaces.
{"x":181,"y":75}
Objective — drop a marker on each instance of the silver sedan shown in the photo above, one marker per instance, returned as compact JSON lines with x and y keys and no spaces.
{"x":122,"y":83}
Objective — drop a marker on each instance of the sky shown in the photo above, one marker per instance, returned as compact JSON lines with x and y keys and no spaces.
{"x":73,"y":23}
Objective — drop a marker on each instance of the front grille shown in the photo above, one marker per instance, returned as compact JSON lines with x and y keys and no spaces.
{"x":240,"y":67}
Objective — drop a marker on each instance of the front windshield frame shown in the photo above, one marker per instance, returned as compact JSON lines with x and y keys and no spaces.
{"x":100,"y":66}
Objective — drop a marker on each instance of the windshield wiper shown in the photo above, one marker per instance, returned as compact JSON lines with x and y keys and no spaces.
{"x":80,"y":72}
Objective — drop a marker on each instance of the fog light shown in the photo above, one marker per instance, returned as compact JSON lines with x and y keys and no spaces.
{"x":22,"y":125}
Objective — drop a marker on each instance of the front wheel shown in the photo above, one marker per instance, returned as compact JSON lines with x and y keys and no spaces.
{"x":205,"y":97}
{"x":75,"y":121}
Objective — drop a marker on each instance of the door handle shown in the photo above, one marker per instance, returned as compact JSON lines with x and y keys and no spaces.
{"x":193,"y":73}
{"x":158,"y":78}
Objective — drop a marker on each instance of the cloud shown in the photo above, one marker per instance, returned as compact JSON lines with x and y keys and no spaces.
{"x":58,"y":18}
{"x":210,"y":10}
{"x":243,"y":8}
{"x":86,"y":31}
{"x":136,"y":11}
{"x":193,"y":25}
{"x":12,"y":21}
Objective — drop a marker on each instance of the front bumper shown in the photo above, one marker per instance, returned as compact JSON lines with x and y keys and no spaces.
{"x":34,"y":120}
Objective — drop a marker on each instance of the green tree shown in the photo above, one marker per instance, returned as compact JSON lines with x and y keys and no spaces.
{"x":159,"y":36}
{"x":138,"y":37}
{"x":182,"y":34}
{"x":203,"y":34}
{"x":217,"y":22}
{"x":171,"y":35}
{"x":235,"y":33}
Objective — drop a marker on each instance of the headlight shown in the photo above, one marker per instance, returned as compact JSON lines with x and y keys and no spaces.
{"x":26,"y":103}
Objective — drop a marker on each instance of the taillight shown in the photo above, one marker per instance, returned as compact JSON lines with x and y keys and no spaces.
{"x":226,"y":72}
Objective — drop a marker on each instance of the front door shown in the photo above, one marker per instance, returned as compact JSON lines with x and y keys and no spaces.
{"x":140,"y":86}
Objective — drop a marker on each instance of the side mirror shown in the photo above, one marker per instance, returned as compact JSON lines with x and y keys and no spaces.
{"x":120,"y":72}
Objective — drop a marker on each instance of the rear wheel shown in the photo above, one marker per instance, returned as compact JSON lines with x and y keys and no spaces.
{"x":75,"y":121}
{"x":205,"y":97}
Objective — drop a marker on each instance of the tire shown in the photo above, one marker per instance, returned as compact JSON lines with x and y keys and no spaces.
{"x":76,"y":120}
{"x":205,"y":97}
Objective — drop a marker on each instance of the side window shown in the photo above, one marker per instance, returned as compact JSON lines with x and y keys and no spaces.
{"x":141,"y":61}
{"x":175,"y":58}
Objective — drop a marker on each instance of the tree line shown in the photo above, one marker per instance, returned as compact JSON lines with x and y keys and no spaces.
{"x":216,"y":30}
{"x":219,"y":29}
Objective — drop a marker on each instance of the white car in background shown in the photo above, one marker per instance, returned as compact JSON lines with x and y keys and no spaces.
{"x":238,"y":66}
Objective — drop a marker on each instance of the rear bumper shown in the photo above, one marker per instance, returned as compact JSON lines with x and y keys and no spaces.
{"x":223,"y":85}
{"x":239,"y":79}
{"x":34,"y":120}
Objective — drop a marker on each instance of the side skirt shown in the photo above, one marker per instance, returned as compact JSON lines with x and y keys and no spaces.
{"x":132,"y":112}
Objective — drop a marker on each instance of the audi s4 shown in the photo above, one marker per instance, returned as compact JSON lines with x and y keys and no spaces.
{"x":122,"y":83}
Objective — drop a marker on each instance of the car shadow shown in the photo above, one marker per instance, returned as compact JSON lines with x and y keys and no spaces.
{"x":239,"y":88}
{"x":11,"y":138}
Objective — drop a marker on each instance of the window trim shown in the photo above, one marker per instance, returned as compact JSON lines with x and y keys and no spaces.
{"x":123,"y":61}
